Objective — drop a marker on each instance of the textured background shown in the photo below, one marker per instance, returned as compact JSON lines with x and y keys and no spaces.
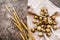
{"x":56,"y":2}
{"x":8,"y":30}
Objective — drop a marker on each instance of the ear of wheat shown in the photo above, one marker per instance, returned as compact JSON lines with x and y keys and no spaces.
{"x":21,"y":26}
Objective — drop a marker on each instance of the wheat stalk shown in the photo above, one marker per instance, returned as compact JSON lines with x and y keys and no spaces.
{"x":18,"y":23}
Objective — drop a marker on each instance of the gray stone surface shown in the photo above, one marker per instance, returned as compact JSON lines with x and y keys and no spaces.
{"x":8,"y":30}
{"x":56,"y":2}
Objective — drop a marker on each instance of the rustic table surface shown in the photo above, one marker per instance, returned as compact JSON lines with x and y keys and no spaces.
{"x":8,"y":30}
{"x":56,"y":2}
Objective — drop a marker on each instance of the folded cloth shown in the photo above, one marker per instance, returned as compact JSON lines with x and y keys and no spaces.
{"x":36,"y":5}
